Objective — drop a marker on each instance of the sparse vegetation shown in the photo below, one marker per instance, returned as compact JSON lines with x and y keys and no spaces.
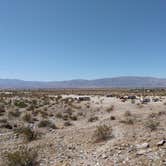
{"x":83,"y":126}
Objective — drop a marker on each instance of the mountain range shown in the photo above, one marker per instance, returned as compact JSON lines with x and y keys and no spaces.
{"x":115,"y":82}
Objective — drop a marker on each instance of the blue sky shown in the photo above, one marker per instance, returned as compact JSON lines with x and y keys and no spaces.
{"x":72,"y":39}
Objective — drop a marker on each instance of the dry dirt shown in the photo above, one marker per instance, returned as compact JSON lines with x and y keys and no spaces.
{"x":132,"y":141}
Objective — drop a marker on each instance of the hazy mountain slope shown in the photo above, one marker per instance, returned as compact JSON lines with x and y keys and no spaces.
{"x":124,"y":82}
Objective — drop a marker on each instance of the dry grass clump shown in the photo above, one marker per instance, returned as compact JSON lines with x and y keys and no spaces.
{"x":46,"y":123}
{"x":152,"y":124}
{"x":110,"y":109}
{"x":28,"y":134}
{"x":22,"y":157}
{"x":102,"y":132}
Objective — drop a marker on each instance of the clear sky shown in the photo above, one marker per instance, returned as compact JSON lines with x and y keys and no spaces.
{"x":73,"y":39}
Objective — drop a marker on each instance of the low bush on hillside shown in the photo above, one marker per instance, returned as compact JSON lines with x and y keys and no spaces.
{"x":22,"y":157}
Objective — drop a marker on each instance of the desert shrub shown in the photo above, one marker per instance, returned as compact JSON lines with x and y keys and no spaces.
{"x":153,"y":115}
{"x":139,"y":105}
{"x":44,"y":114}
{"x":65,"y":117}
{"x":3,"y":120}
{"x":46,"y":123}
{"x":102,"y":132}
{"x":152,"y":124}
{"x":69,"y":111}
{"x":73,"y":117}
{"x":31,"y":108}
{"x":112,"y":118}
{"x":27,"y":117}
{"x":127,"y":113}
{"x":67,"y":123}
{"x":128,"y":120}
{"x":22,"y":157}
{"x":2,"y":109}
{"x":133,"y":101}
{"x":20,"y":104}
{"x":59,"y":115}
{"x":93,"y":119}
{"x":28,"y":134}
{"x":110,"y":109}
{"x":15,"y":113}
{"x":6,"y":125}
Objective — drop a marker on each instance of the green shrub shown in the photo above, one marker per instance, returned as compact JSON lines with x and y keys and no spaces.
{"x":20,"y":104}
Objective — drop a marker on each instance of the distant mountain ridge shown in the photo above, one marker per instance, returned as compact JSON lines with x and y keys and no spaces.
{"x":115,"y":82}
